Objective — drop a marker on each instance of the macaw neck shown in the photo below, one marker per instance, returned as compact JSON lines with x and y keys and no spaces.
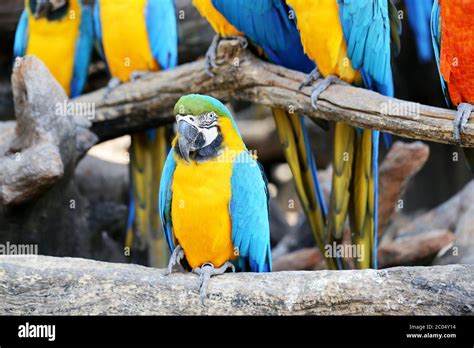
{"x":53,"y":15}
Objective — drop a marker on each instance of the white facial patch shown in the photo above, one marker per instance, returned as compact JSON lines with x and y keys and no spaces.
{"x":57,"y":4}
{"x":210,"y":134}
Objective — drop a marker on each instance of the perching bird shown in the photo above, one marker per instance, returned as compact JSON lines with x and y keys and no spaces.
{"x":419,"y":15}
{"x":61,"y":34}
{"x":268,"y":25}
{"x":137,"y":37}
{"x":213,"y":195}
{"x":350,"y":40}
{"x":453,"y":42}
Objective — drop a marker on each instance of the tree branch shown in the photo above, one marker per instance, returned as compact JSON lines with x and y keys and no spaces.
{"x":240,"y":75}
{"x":45,"y":285}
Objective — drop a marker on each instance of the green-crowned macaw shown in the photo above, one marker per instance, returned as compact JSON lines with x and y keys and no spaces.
{"x":269,"y":26}
{"x":453,"y":42}
{"x":136,"y":37}
{"x":419,"y":15}
{"x":61,"y":34}
{"x":350,"y":40}
{"x":213,"y":195}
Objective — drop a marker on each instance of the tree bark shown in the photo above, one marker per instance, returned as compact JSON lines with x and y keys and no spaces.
{"x":39,"y":285}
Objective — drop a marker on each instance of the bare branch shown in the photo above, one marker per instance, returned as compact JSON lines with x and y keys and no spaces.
{"x":242,"y":76}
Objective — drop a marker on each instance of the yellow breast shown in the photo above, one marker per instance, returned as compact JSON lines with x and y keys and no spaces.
{"x":54,"y":42}
{"x":125,"y":37}
{"x":200,"y":206}
{"x":322,"y":37}
{"x":218,"y":22}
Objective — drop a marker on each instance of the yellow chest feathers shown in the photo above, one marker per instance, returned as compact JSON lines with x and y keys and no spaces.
{"x":200,"y":206}
{"x":322,"y":37}
{"x":54,"y":42}
{"x":125,"y":37}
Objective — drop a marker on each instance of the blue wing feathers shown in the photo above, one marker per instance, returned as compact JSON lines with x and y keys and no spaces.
{"x":366,"y":27}
{"x":249,"y":213}
{"x":21,"y":36}
{"x":436,"y":41}
{"x":165,"y":198}
{"x":162,"y":32}
{"x":267,"y":23}
{"x":83,"y":53}
{"x":419,"y":14}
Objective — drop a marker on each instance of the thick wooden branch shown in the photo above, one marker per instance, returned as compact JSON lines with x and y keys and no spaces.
{"x":63,"y":286}
{"x":241,"y":75}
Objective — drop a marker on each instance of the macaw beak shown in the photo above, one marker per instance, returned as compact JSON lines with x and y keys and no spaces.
{"x":187,"y":136}
{"x":43,"y":7}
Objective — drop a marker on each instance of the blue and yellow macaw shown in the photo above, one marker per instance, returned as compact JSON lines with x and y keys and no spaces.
{"x":137,"y":37}
{"x":268,"y":25}
{"x":213,"y":195}
{"x":61,"y":34}
{"x":419,"y":16}
{"x":351,"y":40}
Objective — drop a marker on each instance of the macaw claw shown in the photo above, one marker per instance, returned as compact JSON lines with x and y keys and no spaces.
{"x":175,"y":259}
{"x":310,"y":78}
{"x":460,"y":120}
{"x":322,"y":85}
{"x":111,"y":86}
{"x":206,"y":271}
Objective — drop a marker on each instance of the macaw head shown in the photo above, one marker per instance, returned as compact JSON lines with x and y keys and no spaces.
{"x":50,"y":9}
{"x":203,"y":124}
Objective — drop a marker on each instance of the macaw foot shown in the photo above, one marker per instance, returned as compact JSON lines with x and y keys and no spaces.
{"x":138,"y":74}
{"x":460,"y":120}
{"x":310,"y":78}
{"x":211,"y":54}
{"x":111,"y":86}
{"x":175,"y":259}
{"x":322,"y":85}
{"x":205,"y":273}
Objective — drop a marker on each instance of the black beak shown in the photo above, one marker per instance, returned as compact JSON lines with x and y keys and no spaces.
{"x":187,"y":135}
{"x":43,"y":7}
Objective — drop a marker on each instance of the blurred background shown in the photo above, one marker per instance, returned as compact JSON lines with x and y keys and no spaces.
{"x":101,"y":178}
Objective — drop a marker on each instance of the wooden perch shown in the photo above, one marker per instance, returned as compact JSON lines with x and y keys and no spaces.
{"x":65,"y":286}
{"x":242,"y":76}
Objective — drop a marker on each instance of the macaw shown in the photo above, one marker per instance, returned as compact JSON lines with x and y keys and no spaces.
{"x":137,"y":37}
{"x":61,"y":34}
{"x":453,"y":42}
{"x":419,"y":15}
{"x":268,"y":25}
{"x":349,"y":40}
{"x":213,"y":195}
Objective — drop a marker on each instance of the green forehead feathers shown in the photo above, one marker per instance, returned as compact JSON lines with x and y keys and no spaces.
{"x":197,"y":104}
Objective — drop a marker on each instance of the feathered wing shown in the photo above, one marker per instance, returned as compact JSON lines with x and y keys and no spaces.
{"x":419,"y":14}
{"x":83,"y":53}
{"x":436,"y":42}
{"x":371,"y":30}
{"x":165,"y":197}
{"x":162,"y":32}
{"x":249,"y":214}
{"x":269,"y":25}
{"x":21,"y":36}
